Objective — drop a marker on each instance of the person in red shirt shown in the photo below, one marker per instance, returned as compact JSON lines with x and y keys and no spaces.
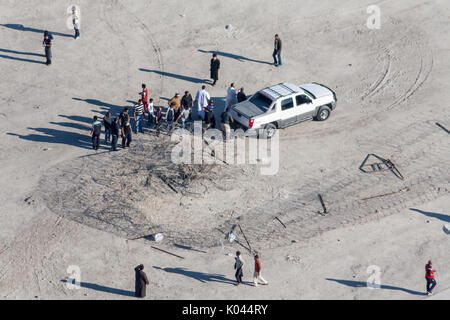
{"x":144,"y":96}
{"x":429,"y":276}
{"x":257,"y":274}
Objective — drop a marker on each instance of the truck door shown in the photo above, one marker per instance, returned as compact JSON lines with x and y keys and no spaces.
{"x":288,"y":112}
{"x":304,"y":108}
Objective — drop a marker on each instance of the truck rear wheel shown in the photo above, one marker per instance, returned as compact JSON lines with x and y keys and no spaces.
{"x":269,"y":131}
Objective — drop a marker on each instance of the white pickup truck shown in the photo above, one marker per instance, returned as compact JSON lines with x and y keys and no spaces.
{"x":283,"y":105}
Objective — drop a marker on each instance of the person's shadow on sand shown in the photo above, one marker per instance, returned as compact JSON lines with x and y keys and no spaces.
{"x":21,"y":27}
{"x":101,"y":288}
{"x":233,"y":56}
{"x":200,"y":276}
{"x":360,"y":284}
{"x":440,"y":216}
{"x":55,"y":136}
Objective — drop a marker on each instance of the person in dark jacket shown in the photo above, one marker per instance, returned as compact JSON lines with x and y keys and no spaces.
{"x":107,"y":122}
{"x":277,"y":51}
{"x":115,"y":129}
{"x":170,"y":117}
{"x":188,"y":103}
{"x":158,"y":120}
{"x":241,"y":95}
{"x":238,"y":266}
{"x":141,"y":282}
{"x":126,"y":132}
{"x":47,"y":43}
{"x":95,"y":133}
{"x":123,"y":116}
{"x":210,"y":120}
{"x":215,"y":67}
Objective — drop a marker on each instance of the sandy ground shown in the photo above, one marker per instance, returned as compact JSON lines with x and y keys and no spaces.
{"x":58,"y":210}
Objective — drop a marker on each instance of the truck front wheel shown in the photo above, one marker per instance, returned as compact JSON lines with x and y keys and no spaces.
{"x":323,"y":114}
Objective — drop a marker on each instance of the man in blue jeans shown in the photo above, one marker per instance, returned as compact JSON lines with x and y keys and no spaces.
{"x":170,"y":117}
{"x":277,"y":51}
{"x":95,"y":133}
{"x":139,"y":116}
{"x":107,"y":124}
{"x":115,"y":129}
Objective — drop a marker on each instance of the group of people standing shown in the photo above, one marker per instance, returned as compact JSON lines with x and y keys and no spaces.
{"x":114,"y":128}
{"x":178,"y":112}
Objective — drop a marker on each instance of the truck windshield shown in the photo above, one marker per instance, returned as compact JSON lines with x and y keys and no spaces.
{"x":261,"y":101}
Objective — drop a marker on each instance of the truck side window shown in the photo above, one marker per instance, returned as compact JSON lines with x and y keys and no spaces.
{"x":287,"y":104}
{"x":302,"y":99}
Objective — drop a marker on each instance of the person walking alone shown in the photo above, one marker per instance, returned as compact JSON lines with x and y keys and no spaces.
{"x":429,"y":276}
{"x":140,"y":287}
{"x":215,"y":67}
{"x":239,"y":267}
{"x":277,"y":51}
{"x":95,"y":133}
{"x":257,"y":274}
{"x":76,"y":22}
{"x":47,"y":43}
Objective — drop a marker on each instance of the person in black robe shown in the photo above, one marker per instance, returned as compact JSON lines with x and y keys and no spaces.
{"x":141,"y":282}
{"x":215,"y":67}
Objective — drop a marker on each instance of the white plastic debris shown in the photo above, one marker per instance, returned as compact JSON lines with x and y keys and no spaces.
{"x":447,"y":228}
{"x":231,"y":237}
{"x":229,"y":27}
{"x":159,"y":237}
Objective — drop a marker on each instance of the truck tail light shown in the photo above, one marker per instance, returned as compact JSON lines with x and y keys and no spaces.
{"x":251,"y":122}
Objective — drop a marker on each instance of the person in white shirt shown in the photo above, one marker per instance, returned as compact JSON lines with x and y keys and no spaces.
{"x":75,"y":21}
{"x":151,"y":113}
{"x":202,"y":97}
{"x":231,"y":96}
